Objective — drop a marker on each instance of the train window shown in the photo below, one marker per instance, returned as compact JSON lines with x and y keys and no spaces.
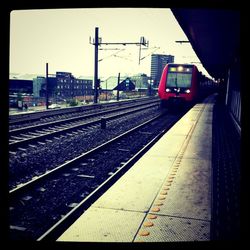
{"x":181,"y":80}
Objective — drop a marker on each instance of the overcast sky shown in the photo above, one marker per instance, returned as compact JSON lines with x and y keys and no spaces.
{"x":61,"y":38}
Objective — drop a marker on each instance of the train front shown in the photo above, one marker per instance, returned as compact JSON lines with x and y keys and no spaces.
{"x":178,"y":84}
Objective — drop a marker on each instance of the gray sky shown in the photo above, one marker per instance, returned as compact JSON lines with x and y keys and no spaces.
{"x":61,"y":38}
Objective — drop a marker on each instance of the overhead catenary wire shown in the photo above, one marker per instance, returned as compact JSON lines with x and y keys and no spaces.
{"x":113,"y":54}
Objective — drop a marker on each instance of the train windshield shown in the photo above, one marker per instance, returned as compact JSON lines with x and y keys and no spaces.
{"x":179,"y":78}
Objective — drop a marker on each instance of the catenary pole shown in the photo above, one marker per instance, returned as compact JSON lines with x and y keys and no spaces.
{"x":96,"y":65}
{"x":47,"y":86}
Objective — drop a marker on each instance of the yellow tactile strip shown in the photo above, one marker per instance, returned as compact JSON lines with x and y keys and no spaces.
{"x":174,"y":229}
{"x":159,"y":201}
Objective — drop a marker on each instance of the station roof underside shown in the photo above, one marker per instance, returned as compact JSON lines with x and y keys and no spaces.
{"x":214,"y":35}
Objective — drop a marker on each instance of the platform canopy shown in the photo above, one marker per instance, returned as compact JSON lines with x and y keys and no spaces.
{"x":214,"y":35}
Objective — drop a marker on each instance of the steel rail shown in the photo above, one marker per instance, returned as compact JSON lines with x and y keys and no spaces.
{"x":15,"y":144}
{"x":56,"y":230}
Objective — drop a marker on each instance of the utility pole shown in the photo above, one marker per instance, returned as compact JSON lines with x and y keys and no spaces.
{"x":98,"y":41}
{"x":47,"y":85}
{"x":118,"y":81}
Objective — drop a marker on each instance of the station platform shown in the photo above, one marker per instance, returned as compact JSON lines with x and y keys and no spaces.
{"x":166,"y":196}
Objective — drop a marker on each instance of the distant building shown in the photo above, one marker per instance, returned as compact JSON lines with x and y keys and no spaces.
{"x":140,"y":80}
{"x":38,"y":82}
{"x":63,"y":86}
{"x":20,"y":86}
{"x":158,"y":62}
{"x":51,"y":86}
{"x":111,"y":82}
{"x":125,"y":85}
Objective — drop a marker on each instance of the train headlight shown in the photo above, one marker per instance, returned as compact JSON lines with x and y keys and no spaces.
{"x":167,"y":90}
{"x":180,"y":68}
{"x":187,"y":91}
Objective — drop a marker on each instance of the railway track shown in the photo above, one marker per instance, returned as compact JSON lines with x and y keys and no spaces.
{"x":22,"y":137}
{"x":43,"y":207}
{"x":35,"y":160}
{"x":39,"y":117}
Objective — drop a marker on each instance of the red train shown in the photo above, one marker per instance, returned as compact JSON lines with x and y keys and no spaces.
{"x":182,"y":84}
